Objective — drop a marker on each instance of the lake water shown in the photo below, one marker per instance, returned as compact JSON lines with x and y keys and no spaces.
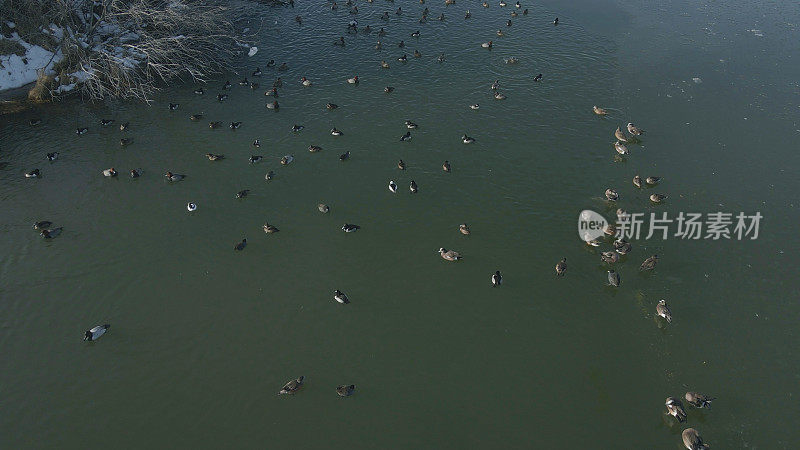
{"x":202,"y":337}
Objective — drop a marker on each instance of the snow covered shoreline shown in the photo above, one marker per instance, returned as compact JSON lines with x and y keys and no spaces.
{"x":17,"y":71}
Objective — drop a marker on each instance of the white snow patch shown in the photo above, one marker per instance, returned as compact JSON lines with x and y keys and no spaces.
{"x":17,"y":71}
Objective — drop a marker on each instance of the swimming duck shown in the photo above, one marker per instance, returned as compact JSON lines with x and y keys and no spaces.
{"x":561,"y":267}
{"x":334,"y":6}
{"x":51,"y":233}
{"x":449,"y":2}
{"x":622,"y":215}
{"x":335,"y":132}
{"x":464,"y":229}
{"x":227,"y":85}
{"x":475,"y":106}
{"x":697,"y":399}
{"x":83,"y":130}
{"x":449,"y":255}
{"x":244,"y":82}
{"x":292,"y":386}
{"x":620,"y":148}
{"x":613,"y":278}
{"x":692,"y":440}
{"x":675,"y":409}
{"x":287,"y":159}
{"x":417,"y":54}
{"x":634,"y":130}
{"x":401,"y":165}
{"x":411,"y":125}
{"x":385,"y":15}
{"x":254,"y":85}
{"x":610,"y":230}
{"x":344,"y":156}
{"x":173,"y":106}
{"x":495,"y":85}
{"x":652,"y":181}
{"x":255,"y":158}
{"x":538,"y":77}
{"x":296,"y":128}
{"x":525,"y":12}
{"x":323,"y":208}
{"x":403,"y":58}
{"x":555,"y":22}
{"x":593,"y":243}
{"x":195,"y":117}
{"x":256,"y":143}
{"x":125,"y":142}
{"x":378,"y":46}
{"x":599,"y":111}
{"x":511,"y":60}
{"x":331,"y":105}
{"x":110,"y":172}
{"x":401,"y":44}
{"x":620,"y":135}
{"x":345,"y":391}
{"x":52,"y":156}
{"x":199,"y":91}
{"x":392,"y":187}
{"x":499,"y":96}
{"x":612,"y":195}
{"x":124,"y":126}
{"x":406,"y":137}
{"x":367,"y":29}
{"x":305,"y":81}
{"x":34,"y":122}
{"x":517,"y":5}
{"x":340,"y":297}
{"x":467,"y":140}
{"x":413,"y":187}
{"x":32,"y":174}
{"x":271,"y":63}
{"x":350,"y":227}
{"x":42,"y":224}
{"x":222,"y":97}
{"x":273,"y":105}
{"x":467,"y":15}
{"x":649,"y":263}
{"x":497,"y":279}
{"x":446,"y":166}
{"x":441,"y":17}
{"x":440,"y":58}
{"x":191,"y":207}
{"x":662,"y":310}
{"x":399,"y":11}
{"x":235,"y":125}
{"x":213,"y":125}
{"x":272,"y":93}
{"x":283,"y":67}
{"x":514,"y":14}
{"x":415,"y":34}
{"x":609,"y":257}
{"x":257,"y":72}
{"x":339,"y":42}
{"x":314,"y":148}
{"x":298,"y":19}
{"x":269,"y":175}
{"x":277,"y":83}
{"x":384,"y":64}
{"x":637,"y":181}
{"x":381,"y":32}
{"x":508,"y":24}
{"x":485,"y":4}
{"x":487,"y":44}
{"x":95,"y":333}
{"x":269,"y":229}
{"x":136,"y":173}
{"x":657,"y":198}
{"x":106,"y":122}
{"x":503,"y":3}
{"x":241,"y":245}
{"x":622,"y":246}
{"x":174,"y":176}
{"x":353,"y":80}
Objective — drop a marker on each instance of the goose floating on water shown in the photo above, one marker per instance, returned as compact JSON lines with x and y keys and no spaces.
{"x":698,"y":400}
{"x":95,"y":333}
{"x":692,"y":440}
{"x":675,"y":409}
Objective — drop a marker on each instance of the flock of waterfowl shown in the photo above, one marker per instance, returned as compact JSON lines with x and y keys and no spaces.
{"x":621,"y":247}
